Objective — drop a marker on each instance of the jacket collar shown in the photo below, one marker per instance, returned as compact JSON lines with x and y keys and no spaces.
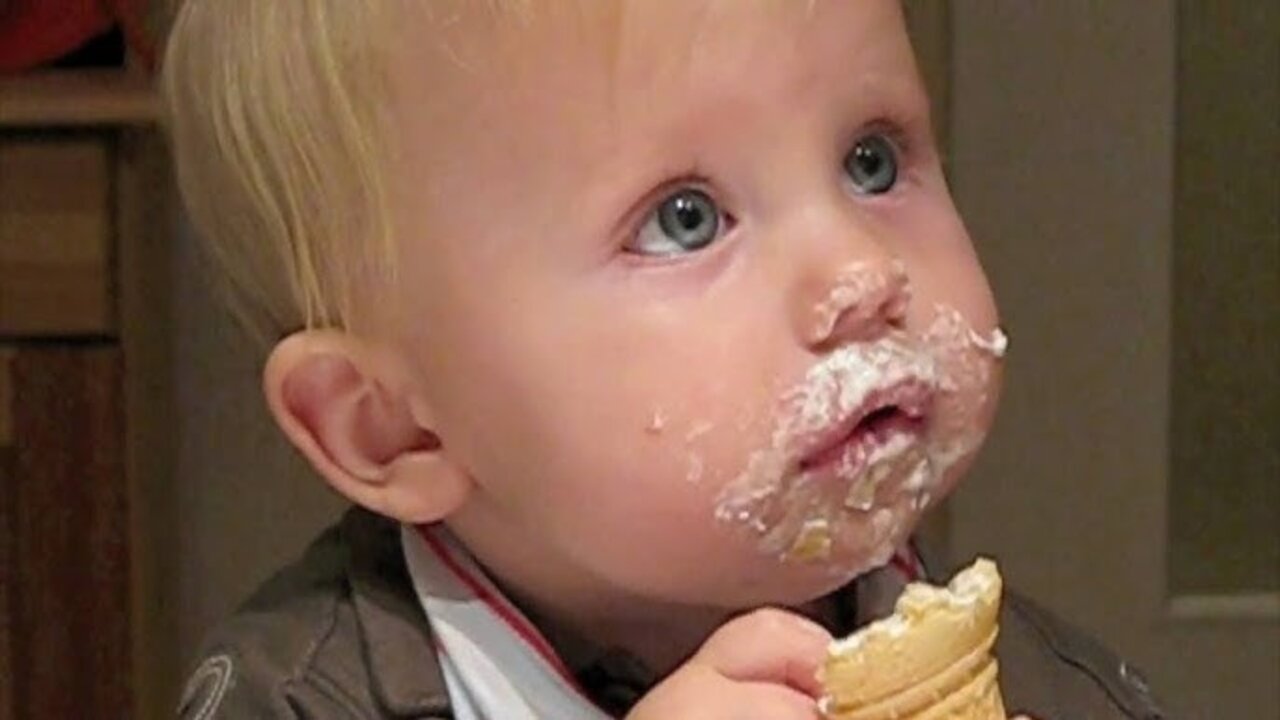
{"x":396,"y":637}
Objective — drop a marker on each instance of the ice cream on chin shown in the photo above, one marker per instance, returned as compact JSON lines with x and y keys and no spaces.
{"x":930,"y":660}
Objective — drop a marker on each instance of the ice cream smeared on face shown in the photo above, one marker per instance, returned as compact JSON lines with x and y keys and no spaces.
{"x":657,"y":422}
{"x":863,"y":443}
{"x":695,"y":465}
{"x":997,"y":344}
{"x":854,"y":283}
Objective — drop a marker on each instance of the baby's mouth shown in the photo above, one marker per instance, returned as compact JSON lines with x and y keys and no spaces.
{"x":851,"y":459}
{"x":861,"y":446}
{"x":844,"y":449}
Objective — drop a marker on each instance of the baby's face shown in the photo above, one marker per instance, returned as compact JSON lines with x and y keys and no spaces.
{"x":687,"y":292}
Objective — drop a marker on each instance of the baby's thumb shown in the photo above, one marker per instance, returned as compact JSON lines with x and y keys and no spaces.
{"x":768,"y":646}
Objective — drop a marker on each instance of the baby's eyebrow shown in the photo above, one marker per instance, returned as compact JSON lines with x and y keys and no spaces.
{"x":906,"y":92}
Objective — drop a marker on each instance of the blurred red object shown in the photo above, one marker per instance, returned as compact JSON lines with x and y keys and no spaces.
{"x":34,"y":32}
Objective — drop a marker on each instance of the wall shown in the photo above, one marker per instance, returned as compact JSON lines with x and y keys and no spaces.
{"x":1063,"y":139}
{"x":246,"y":502}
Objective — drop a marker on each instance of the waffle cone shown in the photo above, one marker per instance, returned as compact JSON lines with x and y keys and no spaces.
{"x":930,"y":660}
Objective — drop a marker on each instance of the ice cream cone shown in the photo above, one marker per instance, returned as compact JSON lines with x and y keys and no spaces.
{"x":930,"y":660}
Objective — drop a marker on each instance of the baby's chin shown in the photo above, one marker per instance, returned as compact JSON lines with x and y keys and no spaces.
{"x":736,"y":567}
{"x":751,"y":578}
{"x":832,"y":556}
{"x":779,"y":585}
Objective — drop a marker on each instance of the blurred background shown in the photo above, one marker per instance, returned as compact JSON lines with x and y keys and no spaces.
{"x":1118,"y":165}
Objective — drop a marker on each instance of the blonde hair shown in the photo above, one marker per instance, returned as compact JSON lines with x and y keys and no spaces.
{"x":275,"y":108}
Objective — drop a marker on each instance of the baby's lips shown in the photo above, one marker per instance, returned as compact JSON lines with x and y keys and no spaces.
{"x":911,"y":398}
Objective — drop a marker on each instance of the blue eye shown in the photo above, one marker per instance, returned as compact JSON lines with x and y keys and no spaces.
{"x":685,"y":222}
{"x":872,"y":165}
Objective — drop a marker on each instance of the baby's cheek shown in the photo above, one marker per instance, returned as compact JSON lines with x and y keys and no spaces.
{"x":970,"y":370}
{"x":645,"y":522}
{"x":650,"y":492}
{"x":688,"y":450}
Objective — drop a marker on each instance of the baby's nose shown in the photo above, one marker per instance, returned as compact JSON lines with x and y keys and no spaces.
{"x":862,"y":301}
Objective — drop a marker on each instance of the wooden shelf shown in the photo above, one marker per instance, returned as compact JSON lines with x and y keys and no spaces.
{"x":76,"y":98}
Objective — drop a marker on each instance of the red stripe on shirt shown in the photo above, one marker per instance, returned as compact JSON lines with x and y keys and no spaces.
{"x":905,"y":561}
{"x":500,"y":607}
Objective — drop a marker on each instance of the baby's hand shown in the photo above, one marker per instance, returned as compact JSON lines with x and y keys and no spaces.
{"x":762,"y":665}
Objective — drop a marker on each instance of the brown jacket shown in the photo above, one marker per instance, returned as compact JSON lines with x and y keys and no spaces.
{"x":340,"y":634}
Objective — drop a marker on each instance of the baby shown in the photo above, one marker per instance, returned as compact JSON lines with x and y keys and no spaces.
{"x":616,"y":321}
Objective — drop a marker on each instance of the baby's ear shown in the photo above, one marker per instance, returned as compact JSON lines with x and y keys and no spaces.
{"x":346,"y":405}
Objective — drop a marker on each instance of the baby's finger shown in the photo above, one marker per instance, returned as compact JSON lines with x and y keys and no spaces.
{"x":768,"y":646}
{"x":775,"y":702}
{"x":697,"y":691}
